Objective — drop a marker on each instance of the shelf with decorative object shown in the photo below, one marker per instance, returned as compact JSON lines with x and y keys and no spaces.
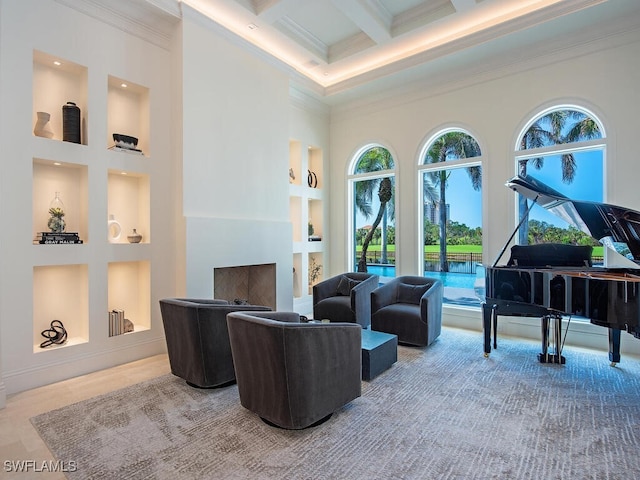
{"x":59,"y":98}
{"x":68,"y":183}
{"x":60,"y":292}
{"x":128,"y":122}
{"x":306,"y":211}
{"x":66,"y":149}
{"x":129,"y":205}
{"x":295,"y":163}
{"x":314,"y":168}
{"x":315,"y":269}
{"x":129,"y":291}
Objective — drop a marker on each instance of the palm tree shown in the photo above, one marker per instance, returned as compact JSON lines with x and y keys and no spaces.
{"x":374,"y":160}
{"x":551,"y":129}
{"x":450,"y":146}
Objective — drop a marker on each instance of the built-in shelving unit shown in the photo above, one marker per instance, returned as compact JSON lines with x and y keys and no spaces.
{"x":307,"y":215}
{"x":120,"y":83}
{"x":60,"y":288}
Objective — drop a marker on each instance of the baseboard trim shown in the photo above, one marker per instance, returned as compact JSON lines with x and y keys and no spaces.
{"x":73,"y":366}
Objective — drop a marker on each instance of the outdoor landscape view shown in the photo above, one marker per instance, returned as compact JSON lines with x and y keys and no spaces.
{"x":557,"y":148}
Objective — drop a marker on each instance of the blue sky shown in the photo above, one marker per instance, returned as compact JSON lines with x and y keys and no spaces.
{"x":465,"y":204}
{"x":587,"y":184}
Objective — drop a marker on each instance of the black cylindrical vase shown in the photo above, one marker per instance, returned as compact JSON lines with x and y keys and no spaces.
{"x":71,"y":123}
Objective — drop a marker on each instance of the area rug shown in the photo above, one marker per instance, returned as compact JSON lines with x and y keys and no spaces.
{"x":444,"y":412}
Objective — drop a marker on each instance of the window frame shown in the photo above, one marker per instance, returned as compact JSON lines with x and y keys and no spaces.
{"x":561,"y":148}
{"x":422,"y":168}
{"x":352,"y":178}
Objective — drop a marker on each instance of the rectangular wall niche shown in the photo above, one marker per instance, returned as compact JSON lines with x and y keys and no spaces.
{"x":254,"y":283}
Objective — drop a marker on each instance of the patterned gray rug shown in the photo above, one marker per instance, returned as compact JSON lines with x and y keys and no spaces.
{"x":441,"y":413}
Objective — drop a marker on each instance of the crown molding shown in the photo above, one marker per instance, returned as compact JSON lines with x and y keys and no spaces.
{"x":545,"y":53}
{"x":151,"y":20}
{"x":308,"y":103}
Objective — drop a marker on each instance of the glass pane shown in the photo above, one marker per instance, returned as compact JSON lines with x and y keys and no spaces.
{"x":452,"y":146}
{"x":586,"y":184}
{"x":374,"y":160}
{"x":453,"y":210}
{"x":560,"y":127}
{"x":372,"y":218}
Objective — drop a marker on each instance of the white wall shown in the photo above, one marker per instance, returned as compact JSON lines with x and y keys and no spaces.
{"x":235,"y":159}
{"x":605,"y":81}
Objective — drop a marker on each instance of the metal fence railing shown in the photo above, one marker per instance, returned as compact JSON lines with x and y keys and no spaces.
{"x":458,"y":262}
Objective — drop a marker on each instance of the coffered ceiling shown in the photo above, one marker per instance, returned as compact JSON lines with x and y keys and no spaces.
{"x":342,"y":48}
{"x":337,"y":43}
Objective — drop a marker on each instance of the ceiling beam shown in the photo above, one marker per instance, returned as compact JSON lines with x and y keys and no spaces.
{"x":275,"y":10}
{"x":369,"y":21}
{"x":463,"y":5}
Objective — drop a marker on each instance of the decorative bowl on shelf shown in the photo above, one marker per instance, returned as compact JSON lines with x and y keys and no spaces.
{"x":135,"y":237}
{"x":125,"y":141}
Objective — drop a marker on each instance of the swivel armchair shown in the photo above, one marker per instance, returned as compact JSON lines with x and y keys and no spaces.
{"x":198,"y":340}
{"x":345,"y":298}
{"x":294,"y":375}
{"x":409,"y":307}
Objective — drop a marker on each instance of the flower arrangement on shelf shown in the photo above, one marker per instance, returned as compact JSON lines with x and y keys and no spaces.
{"x":314,"y":271}
{"x":56,"y":221}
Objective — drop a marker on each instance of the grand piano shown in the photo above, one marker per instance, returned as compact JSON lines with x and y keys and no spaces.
{"x":552,"y":281}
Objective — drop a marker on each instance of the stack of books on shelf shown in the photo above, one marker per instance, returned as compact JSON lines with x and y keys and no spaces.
{"x":116,"y":322}
{"x":134,"y":151}
{"x":58,"y":238}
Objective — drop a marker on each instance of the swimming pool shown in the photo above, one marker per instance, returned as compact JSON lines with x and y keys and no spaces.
{"x":458,"y":287}
{"x":449,"y":279}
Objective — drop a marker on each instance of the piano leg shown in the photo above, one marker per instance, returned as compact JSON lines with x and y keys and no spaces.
{"x":545,"y":356}
{"x":614,"y":346}
{"x":487,"y":312}
{"x":495,"y":326}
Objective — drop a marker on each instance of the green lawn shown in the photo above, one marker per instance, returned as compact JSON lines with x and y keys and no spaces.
{"x":597,"y":251}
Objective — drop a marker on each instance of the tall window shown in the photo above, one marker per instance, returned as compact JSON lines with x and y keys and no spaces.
{"x":562,"y":147}
{"x":372,"y":192}
{"x":451,"y":201}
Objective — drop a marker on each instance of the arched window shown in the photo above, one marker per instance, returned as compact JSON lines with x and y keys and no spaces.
{"x":450,"y":173}
{"x":562,"y":147}
{"x":372,"y":203}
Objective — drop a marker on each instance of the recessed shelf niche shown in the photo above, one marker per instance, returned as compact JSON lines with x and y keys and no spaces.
{"x":70,"y":180}
{"x":60,"y":292}
{"x":128,"y":112}
{"x":129,"y":290}
{"x":129,"y":203}
{"x":297,"y":275}
{"x":316,"y":268}
{"x":57,"y":81}
{"x":295,"y":214}
{"x":315,"y":174}
{"x":295,"y":164}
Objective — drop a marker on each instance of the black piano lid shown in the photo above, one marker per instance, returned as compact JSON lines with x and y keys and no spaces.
{"x":604,"y":222}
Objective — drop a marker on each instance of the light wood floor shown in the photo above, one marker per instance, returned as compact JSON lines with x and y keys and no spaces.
{"x":19,"y":440}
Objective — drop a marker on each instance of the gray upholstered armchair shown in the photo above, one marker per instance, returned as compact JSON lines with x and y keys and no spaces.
{"x":345,"y":298}
{"x":409,"y":307}
{"x":294,"y":375}
{"x":198,"y":341}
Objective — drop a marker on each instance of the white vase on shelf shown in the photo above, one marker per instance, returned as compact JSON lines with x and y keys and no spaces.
{"x":114,"y":229}
{"x":41,"y":128}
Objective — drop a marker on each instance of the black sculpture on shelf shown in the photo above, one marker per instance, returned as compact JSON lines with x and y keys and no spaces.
{"x":56,"y":335}
{"x":312,"y":179}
